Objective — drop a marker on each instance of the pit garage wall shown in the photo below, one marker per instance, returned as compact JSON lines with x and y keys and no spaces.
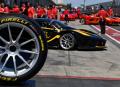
{"x":116,"y":7}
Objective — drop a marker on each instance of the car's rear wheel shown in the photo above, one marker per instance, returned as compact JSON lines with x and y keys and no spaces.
{"x":67,"y":41}
{"x":22,"y":50}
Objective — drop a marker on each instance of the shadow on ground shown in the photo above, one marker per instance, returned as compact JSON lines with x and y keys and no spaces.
{"x":54,"y":48}
{"x":64,"y":82}
{"x":28,"y":83}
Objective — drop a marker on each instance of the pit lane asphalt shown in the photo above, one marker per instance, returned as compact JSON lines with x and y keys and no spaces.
{"x":116,"y":27}
{"x":79,"y":68}
{"x":79,"y":63}
{"x":60,"y":82}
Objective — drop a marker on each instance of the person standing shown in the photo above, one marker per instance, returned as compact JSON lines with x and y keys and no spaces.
{"x":15,"y":9}
{"x":31,"y":11}
{"x":49,"y":13}
{"x":6,"y":9}
{"x":54,"y":11}
{"x":23,"y":7}
{"x":1,"y":9}
{"x":40,"y":12}
{"x":102,"y":14}
{"x":78,"y":12}
{"x":110,"y":12}
{"x":66,"y":12}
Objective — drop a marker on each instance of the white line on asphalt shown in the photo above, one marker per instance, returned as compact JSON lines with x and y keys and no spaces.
{"x":106,"y":34}
{"x":114,"y":29}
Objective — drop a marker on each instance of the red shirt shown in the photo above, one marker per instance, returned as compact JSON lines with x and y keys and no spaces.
{"x":54,"y":11}
{"x":23,"y":8}
{"x":6,"y":10}
{"x":40,"y":12}
{"x":110,"y":11}
{"x":16,"y":9}
{"x":78,"y":11}
{"x":31,"y":12}
{"x":1,"y":10}
{"x":66,"y":12}
{"x":49,"y":13}
{"x":102,"y":14}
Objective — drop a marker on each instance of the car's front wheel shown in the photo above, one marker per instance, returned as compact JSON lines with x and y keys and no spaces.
{"x":22,"y":49}
{"x":67,"y":41}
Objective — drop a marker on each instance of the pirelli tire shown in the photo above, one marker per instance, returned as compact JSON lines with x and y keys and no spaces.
{"x":23,"y":48}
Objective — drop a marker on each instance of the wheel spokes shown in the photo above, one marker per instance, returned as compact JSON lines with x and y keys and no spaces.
{"x":1,"y":56}
{"x":27,"y":51}
{"x":5,"y":41}
{"x":10,"y":34}
{"x":2,"y":47}
{"x":24,"y":61}
{"x":20,"y":34}
{"x":26,"y":42}
{"x":19,"y":50}
{"x":5,"y":63}
{"x":67,"y":41}
{"x":15,"y":66}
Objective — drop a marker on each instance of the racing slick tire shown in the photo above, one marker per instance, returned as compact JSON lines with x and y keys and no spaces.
{"x":23,"y":48}
{"x":67,"y":41}
{"x":82,"y":21}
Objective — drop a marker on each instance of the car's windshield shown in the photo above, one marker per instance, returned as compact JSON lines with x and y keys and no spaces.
{"x":59,"y":25}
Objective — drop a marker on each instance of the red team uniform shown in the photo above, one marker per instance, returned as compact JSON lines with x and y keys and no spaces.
{"x":40,"y":12}
{"x":6,"y":9}
{"x":49,"y":13}
{"x":110,"y":12}
{"x":54,"y":12}
{"x":31,"y":12}
{"x":102,"y":13}
{"x":1,"y":10}
{"x":23,"y":7}
{"x":16,"y":9}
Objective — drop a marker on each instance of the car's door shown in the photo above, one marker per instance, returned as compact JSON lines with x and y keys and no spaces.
{"x":50,"y":31}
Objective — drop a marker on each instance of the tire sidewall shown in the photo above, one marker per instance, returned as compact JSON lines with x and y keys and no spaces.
{"x":42,"y":43}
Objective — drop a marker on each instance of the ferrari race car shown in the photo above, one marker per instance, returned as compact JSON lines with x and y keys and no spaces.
{"x":93,"y":19}
{"x":89,"y":19}
{"x":23,"y":48}
{"x":71,"y":16}
{"x":60,"y":35}
{"x":113,"y":21}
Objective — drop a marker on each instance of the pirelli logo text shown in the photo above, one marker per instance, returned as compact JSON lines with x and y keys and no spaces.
{"x":17,"y":20}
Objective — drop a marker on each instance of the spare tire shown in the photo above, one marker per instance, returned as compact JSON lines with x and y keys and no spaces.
{"x":23,"y":48}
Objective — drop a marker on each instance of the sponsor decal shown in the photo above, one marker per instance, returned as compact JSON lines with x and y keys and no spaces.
{"x":42,"y":44}
{"x":12,"y":19}
{"x":7,"y":78}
